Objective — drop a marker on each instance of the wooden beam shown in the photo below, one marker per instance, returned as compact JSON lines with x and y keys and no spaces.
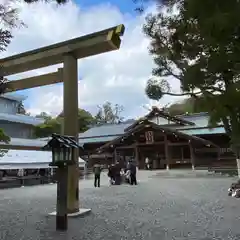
{"x":85,"y":46}
{"x":37,"y":81}
{"x":150,"y":144}
{"x":177,"y":144}
{"x":126,"y":147}
{"x":136,"y":152}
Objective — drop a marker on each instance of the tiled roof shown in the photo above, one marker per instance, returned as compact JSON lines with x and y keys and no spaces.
{"x":103,"y":133}
{"x":20,"y":118}
{"x":108,"y":132}
{"x":200,"y":119}
{"x":97,"y":139}
{"x":203,"y":131}
{"x":145,"y":125}
{"x":26,"y":142}
{"x":22,"y":142}
{"x":15,"y":159}
{"x":14,"y":96}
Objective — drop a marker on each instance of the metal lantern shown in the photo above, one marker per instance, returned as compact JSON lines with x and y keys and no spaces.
{"x":60,"y":154}
{"x":62,"y":150}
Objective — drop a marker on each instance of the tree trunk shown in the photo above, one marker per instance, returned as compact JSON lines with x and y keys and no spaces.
{"x":236,"y":149}
{"x":238,"y":167}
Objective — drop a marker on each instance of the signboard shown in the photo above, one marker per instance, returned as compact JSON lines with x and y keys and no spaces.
{"x":149,"y":137}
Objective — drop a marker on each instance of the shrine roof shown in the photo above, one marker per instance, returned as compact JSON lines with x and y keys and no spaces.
{"x":156,"y":112}
{"x":103,"y":133}
{"x":203,"y":131}
{"x":108,"y":132}
{"x":146,"y":124}
{"x":101,"y":139}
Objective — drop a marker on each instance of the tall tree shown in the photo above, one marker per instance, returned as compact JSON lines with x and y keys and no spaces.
{"x":198,"y":43}
{"x":85,"y":119}
{"x":3,"y":138}
{"x":50,"y":126}
{"x":21,"y":109}
{"x":44,"y":115}
{"x":109,"y":113}
{"x":54,"y":125}
{"x":189,"y":105}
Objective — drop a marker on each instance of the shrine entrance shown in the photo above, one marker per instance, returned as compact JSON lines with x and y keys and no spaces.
{"x":165,"y":148}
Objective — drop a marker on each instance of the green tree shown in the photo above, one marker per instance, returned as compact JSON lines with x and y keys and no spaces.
{"x":85,"y":119}
{"x":109,"y":113}
{"x":51,"y":125}
{"x":44,"y":115}
{"x":21,"y":109}
{"x":54,"y":125}
{"x":198,"y":43}
{"x":189,"y":105}
{"x":5,"y":139}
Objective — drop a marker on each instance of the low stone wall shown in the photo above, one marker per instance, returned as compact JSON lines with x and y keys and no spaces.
{"x":25,"y":181}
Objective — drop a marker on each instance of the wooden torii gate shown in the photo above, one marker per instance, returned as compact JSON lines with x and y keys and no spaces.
{"x":67,"y":52}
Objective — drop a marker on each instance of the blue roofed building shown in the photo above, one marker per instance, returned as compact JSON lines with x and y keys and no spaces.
{"x":20,"y":129}
{"x":16,"y":125}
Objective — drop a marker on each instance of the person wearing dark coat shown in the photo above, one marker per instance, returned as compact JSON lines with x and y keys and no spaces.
{"x":97,"y":173}
{"x":111,"y":174}
{"x":117,"y":173}
{"x":133,"y":172}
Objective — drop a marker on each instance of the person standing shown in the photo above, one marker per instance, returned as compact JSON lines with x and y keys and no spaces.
{"x":111,"y":174}
{"x":21,"y":176}
{"x":133,"y":172}
{"x":97,"y":173}
{"x":117,"y":173}
{"x":147,"y":163}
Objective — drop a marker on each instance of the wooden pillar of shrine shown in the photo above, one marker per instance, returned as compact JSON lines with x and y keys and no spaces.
{"x":136,"y":153}
{"x":115,"y":155}
{"x":192,"y":155}
{"x":167,"y":155}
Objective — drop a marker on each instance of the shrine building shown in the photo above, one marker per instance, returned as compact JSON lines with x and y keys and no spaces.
{"x":169,"y":142}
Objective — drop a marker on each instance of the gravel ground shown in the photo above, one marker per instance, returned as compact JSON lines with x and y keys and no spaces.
{"x":156,"y":209}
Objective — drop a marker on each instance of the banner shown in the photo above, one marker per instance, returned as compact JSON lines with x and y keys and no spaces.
{"x":149,"y":137}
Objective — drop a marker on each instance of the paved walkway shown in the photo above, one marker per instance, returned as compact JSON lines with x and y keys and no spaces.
{"x":158,"y":208}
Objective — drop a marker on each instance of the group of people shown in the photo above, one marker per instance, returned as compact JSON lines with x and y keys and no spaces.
{"x":234,"y":189}
{"x":117,"y":174}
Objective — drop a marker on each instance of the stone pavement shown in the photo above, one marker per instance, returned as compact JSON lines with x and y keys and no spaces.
{"x":156,"y":209}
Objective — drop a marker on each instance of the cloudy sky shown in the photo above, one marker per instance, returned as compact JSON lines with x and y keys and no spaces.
{"x":118,"y":77}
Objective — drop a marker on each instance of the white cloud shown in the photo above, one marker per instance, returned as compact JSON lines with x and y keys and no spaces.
{"x":118,"y":76}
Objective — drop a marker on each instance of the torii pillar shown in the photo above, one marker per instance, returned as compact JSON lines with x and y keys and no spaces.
{"x":70,"y":124}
